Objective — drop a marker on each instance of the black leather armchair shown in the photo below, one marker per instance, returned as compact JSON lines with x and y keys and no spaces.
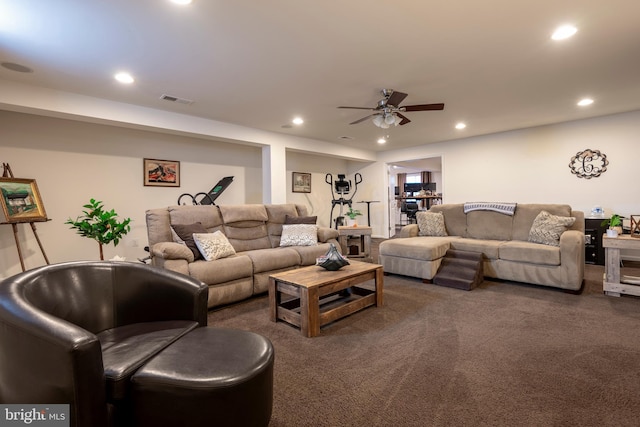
{"x":76,"y":332}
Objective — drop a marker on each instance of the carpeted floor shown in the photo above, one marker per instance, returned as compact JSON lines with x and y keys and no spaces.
{"x":503,"y":354}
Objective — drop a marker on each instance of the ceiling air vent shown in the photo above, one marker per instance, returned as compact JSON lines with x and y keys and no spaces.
{"x":176,"y":99}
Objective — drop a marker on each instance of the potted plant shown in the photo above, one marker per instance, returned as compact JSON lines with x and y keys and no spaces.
{"x":352,"y":214}
{"x":614,"y":223}
{"x":100,"y":225}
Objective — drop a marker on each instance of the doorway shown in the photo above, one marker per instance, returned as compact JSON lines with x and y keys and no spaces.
{"x":413,"y":174}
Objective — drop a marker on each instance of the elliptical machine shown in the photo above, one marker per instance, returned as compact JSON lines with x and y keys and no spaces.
{"x":342,"y":187}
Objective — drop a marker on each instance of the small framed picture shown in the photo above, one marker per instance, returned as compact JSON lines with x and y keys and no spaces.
{"x":301,"y":182}
{"x":161,"y":173}
{"x":21,"y":201}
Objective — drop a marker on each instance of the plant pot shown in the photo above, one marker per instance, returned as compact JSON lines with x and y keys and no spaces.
{"x":612,"y":232}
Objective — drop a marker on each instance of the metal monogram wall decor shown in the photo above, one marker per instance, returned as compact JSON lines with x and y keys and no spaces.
{"x":588,"y":164}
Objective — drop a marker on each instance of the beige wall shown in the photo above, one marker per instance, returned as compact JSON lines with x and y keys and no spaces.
{"x":73,"y":161}
{"x":531,"y":165}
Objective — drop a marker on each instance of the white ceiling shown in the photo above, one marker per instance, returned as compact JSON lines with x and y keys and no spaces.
{"x":260,"y":63}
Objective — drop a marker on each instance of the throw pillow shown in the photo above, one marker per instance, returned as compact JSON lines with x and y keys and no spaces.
{"x":185,"y":232}
{"x":213,"y":245}
{"x":547,"y":228}
{"x":300,"y":219}
{"x":431,"y":224}
{"x":299,"y":235}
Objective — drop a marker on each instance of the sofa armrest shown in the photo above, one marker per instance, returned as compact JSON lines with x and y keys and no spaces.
{"x":171,"y":250}
{"x":325,"y":234}
{"x":572,"y":244}
{"x":410,"y":230}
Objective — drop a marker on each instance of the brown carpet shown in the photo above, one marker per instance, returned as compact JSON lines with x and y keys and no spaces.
{"x":502,"y":354}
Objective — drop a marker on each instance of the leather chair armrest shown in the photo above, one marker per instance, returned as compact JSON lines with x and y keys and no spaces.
{"x":171,"y":250}
{"x":325,"y":234}
{"x":146,"y":294}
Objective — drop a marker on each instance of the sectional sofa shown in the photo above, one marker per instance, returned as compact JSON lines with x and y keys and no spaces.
{"x":253,"y":245}
{"x":508,"y":242}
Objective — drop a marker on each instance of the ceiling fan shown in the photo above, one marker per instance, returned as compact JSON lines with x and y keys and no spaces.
{"x":389,"y":112}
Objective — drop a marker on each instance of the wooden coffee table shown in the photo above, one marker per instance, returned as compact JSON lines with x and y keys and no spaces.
{"x":315,"y":298}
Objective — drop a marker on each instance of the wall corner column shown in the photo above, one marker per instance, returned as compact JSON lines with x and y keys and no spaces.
{"x":274,"y":174}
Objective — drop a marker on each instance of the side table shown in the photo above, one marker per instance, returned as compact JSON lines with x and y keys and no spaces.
{"x":364,"y":236}
{"x":613,"y":284}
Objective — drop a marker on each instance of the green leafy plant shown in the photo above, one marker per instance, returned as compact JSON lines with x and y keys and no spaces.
{"x":100,"y":225}
{"x":353,"y":213}
{"x":614,"y":221}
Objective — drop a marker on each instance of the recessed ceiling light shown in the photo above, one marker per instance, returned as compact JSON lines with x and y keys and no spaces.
{"x":382,"y":141}
{"x":460,"y":125}
{"x":297,"y":121}
{"x":124,"y":78}
{"x":564,"y":32}
{"x":585,"y":101}
{"x":181,"y":2}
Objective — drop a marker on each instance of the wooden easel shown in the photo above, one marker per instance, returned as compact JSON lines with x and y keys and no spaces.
{"x":7,"y":173}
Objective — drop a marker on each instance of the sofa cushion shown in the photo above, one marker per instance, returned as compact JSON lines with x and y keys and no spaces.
{"x":421,"y":248}
{"x":208,"y":215}
{"x":547,"y":228}
{"x":126,"y":348}
{"x":490,"y":248}
{"x":431,"y":224}
{"x":489,"y":225}
{"x":213,"y":245}
{"x":300,"y":219}
{"x":186,"y":232}
{"x":533,"y":253}
{"x":222,"y":270}
{"x":299,"y":235}
{"x":265,"y":260}
{"x":455,"y":220}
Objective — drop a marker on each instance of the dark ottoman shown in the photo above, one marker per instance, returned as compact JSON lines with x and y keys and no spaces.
{"x":209,"y":377}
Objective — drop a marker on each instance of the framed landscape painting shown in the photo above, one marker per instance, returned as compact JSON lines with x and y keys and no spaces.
{"x":161,"y":173}
{"x":301,"y":182}
{"x":21,"y":201}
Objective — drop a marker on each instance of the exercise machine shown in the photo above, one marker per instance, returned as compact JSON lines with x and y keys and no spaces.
{"x":209,"y":198}
{"x":341,"y":187}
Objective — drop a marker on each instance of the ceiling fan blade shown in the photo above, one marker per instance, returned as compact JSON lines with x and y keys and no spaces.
{"x":362,"y":119}
{"x":423,"y":107}
{"x":396,"y":98}
{"x":359,"y":108}
{"x":404,"y":120}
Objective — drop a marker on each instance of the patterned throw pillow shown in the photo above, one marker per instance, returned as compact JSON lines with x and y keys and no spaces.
{"x":299,"y":235}
{"x":213,"y":245}
{"x":431,"y":224}
{"x":547,"y":228}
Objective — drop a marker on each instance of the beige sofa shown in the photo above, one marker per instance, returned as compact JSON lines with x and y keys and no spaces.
{"x":253,"y":230}
{"x":503,"y":241}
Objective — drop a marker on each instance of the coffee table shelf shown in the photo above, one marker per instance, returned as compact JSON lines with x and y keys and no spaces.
{"x":314,"y":294}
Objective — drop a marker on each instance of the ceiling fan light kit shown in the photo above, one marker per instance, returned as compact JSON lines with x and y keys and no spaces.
{"x":389,"y":112}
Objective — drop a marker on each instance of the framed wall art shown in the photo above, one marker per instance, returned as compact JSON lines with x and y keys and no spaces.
{"x":301,"y":182}
{"x":161,"y":173}
{"x":21,"y":201}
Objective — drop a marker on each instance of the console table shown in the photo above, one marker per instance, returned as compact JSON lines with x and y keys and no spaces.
{"x":613,"y":284}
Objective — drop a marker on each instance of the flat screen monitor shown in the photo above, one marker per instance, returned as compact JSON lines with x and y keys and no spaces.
{"x":429,"y":186}
{"x":412,"y":187}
